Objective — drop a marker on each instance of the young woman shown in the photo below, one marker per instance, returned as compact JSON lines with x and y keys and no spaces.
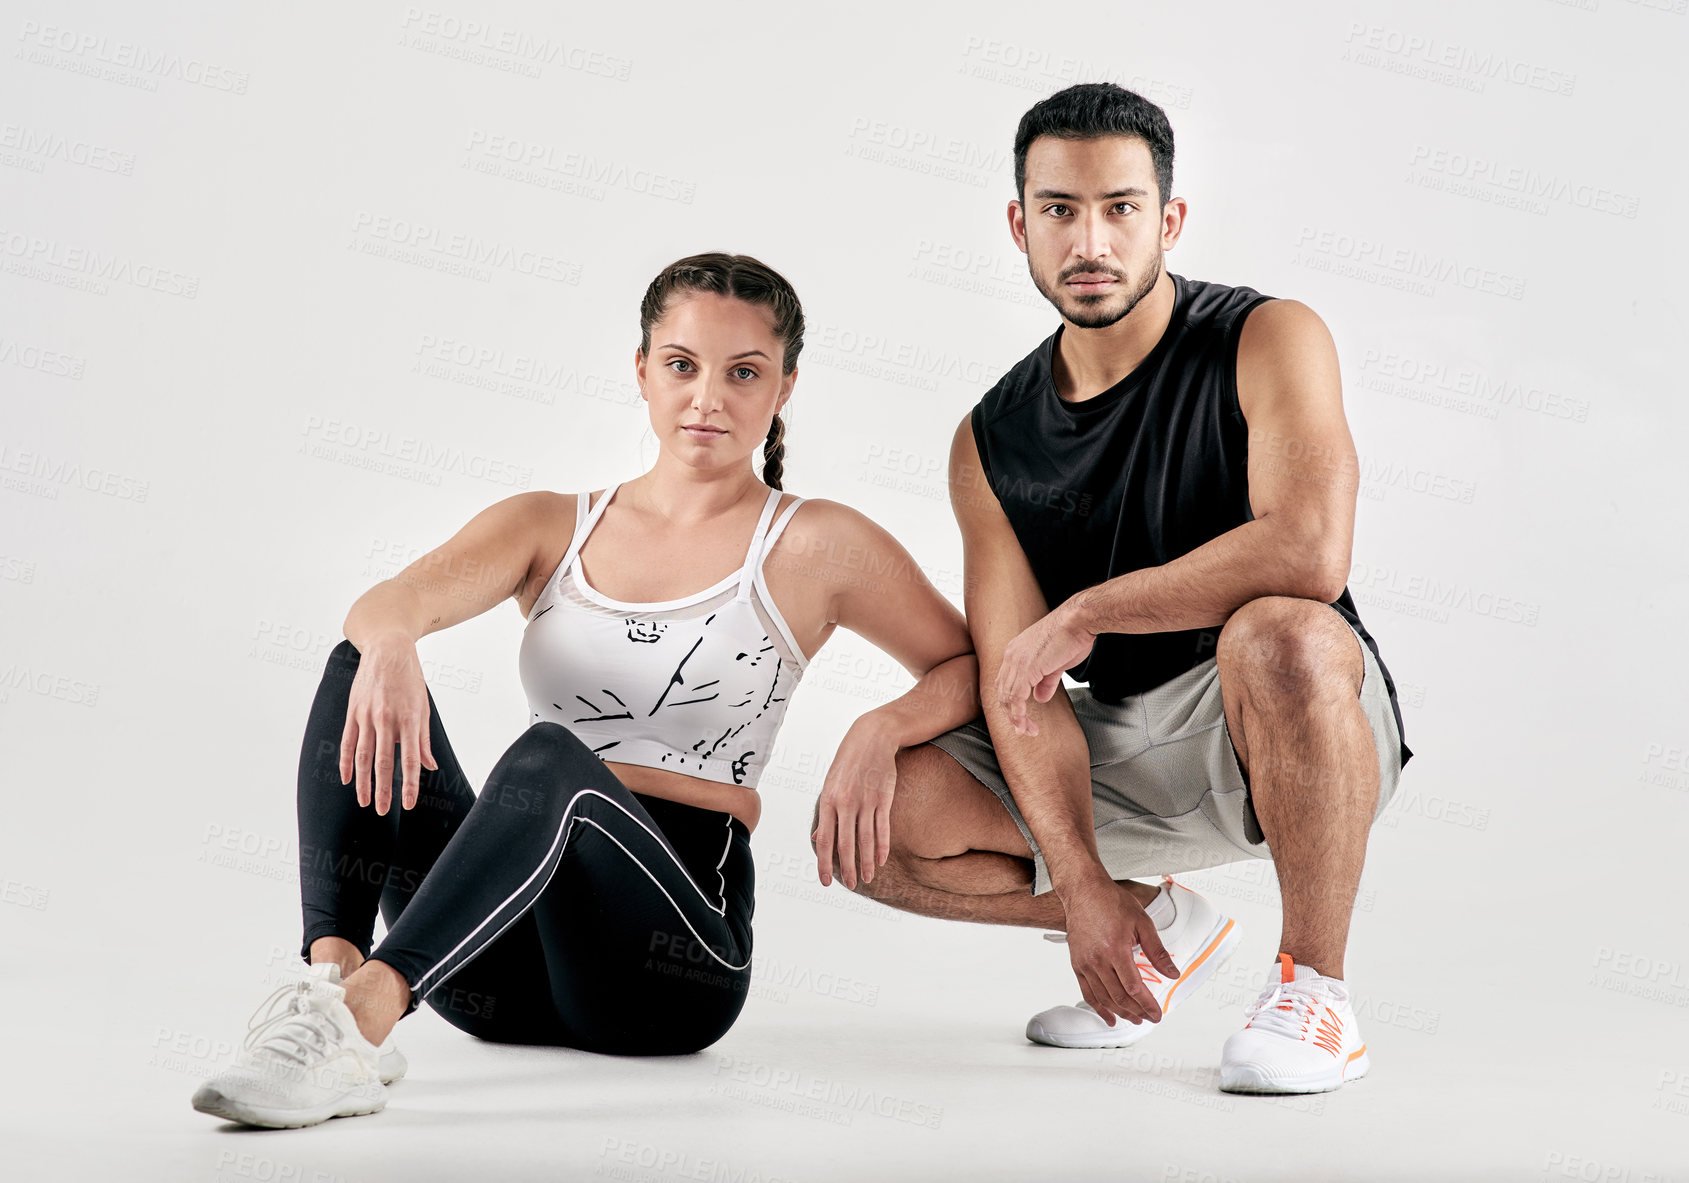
{"x":597,"y":892}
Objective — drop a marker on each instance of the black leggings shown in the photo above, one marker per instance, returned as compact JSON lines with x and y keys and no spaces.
{"x":557,"y":907}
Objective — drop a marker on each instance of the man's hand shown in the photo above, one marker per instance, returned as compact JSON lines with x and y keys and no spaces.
{"x":1034,"y":662}
{"x":854,"y":812}
{"x":1105,"y":927}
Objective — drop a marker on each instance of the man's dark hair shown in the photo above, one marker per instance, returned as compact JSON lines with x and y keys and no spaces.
{"x":1093,"y":109}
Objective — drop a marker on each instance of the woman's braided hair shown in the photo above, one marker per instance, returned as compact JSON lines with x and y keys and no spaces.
{"x":743,"y":278}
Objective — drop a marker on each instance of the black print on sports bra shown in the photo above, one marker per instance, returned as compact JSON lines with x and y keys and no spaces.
{"x":705,"y":749}
{"x":675,"y":679}
{"x":601,"y":716}
{"x":645,"y":633}
{"x":741,"y":762}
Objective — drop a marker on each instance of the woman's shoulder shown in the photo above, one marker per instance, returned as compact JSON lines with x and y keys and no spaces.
{"x":538,"y":505}
{"x":544,"y":517}
{"x":831,"y":533}
{"x":815,"y":515}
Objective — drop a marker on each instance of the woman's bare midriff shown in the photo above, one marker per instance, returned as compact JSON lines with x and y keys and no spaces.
{"x":743,"y":803}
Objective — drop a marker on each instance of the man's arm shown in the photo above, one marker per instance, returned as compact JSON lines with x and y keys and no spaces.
{"x":1048,"y":774}
{"x":1303,"y":476}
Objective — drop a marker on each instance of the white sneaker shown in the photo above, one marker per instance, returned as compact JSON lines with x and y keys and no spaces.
{"x":301,"y":1063}
{"x":392,"y":1060}
{"x":1199,"y":939}
{"x":1301,"y":1037}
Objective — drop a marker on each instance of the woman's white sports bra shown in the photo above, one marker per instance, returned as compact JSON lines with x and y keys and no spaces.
{"x":697,"y":685}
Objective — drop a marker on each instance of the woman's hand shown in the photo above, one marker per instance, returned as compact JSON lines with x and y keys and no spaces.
{"x":388,"y":705}
{"x":854,"y":813}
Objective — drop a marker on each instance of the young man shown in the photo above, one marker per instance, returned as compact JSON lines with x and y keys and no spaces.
{"x":1158,"y":500}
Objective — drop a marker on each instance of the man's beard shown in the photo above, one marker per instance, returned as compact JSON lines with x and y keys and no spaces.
{"x":1091,"y":312}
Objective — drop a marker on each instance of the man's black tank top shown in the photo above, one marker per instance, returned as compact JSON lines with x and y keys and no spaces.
{"x":1146,"y":471}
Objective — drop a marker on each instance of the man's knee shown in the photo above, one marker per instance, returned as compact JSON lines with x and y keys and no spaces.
{"x":920,"y":806}
{"x":1289,"y":645}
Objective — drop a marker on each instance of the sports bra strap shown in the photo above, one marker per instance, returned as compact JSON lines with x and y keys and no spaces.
{"x":584,"y":522}
{"x":780,"y":522}
{"x":753,"y":556}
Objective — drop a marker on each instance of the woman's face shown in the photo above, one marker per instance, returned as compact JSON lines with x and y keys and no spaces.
{"x":712,"y":378}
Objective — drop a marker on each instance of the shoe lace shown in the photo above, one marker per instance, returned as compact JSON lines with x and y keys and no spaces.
{"x":288,"y":1026}
{"x":1287,"y":1008}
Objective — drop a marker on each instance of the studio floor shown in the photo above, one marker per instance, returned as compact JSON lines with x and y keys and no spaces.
{"x":878,"y":1046}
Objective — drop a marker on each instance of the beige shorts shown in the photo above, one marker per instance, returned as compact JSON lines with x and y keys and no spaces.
{"x":1166,"y":791}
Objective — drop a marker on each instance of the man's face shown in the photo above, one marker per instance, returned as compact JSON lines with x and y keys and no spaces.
{"x":1092,"y":225}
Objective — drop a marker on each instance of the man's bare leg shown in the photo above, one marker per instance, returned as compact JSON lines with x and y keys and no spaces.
{"x":1290,"y":676}
{"x":956,"y":854}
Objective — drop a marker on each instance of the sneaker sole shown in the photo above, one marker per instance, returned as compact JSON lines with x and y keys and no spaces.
{"x":1218,"y":948}
{"x":393,"y":1066}
{"x":1325,"y":1082}
{"x":210,"y":1100}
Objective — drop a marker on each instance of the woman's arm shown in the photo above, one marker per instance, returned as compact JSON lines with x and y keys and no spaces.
{"x":483,"y":564}
{"x":879,"y":592}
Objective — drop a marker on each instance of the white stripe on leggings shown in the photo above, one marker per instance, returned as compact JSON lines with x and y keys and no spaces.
{"x":723,"y":862}
{"x":562,"y":832}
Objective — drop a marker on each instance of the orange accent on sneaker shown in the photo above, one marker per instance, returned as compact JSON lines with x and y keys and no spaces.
{"x":1286,"y":968}
{"x":1355,"y":1055}
{"x":1330,"y":1039}
{"x":1206,"y":953}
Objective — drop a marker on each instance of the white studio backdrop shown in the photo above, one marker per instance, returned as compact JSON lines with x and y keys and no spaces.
{"x":288,"y":295}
